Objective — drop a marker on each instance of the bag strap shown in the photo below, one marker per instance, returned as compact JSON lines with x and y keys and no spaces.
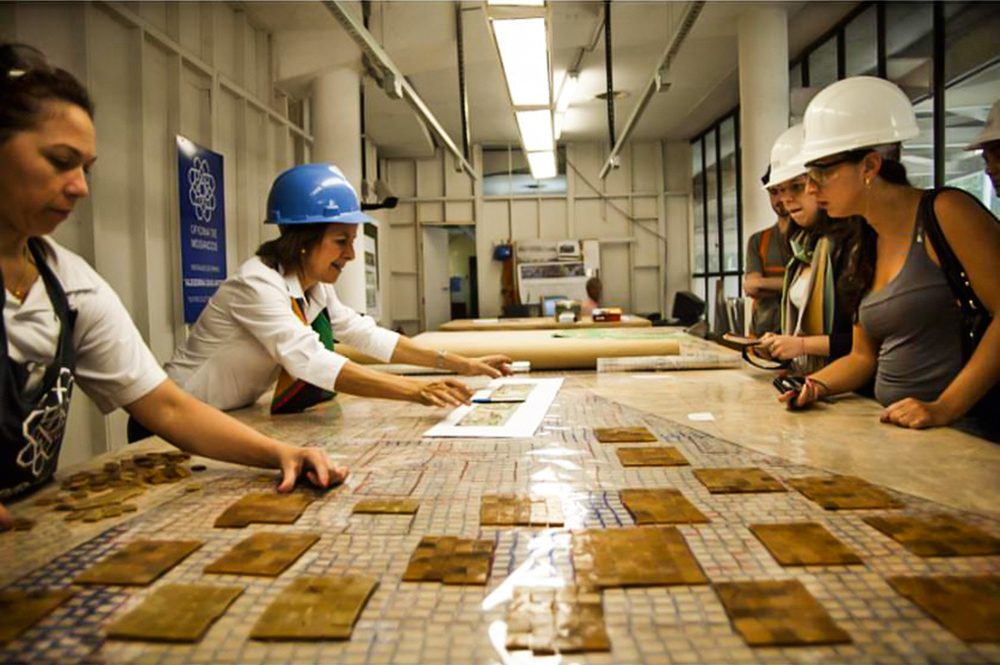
{"x":952,"y":267}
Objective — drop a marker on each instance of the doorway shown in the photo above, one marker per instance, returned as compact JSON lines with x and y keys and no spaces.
{"x":449,"y":274}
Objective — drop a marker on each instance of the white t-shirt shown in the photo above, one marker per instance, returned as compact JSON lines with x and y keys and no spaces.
{"x":113,"y":364}
{"x":248,"y":331}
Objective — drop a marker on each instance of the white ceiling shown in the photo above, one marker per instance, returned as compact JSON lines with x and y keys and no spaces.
{"x":420,"y":37}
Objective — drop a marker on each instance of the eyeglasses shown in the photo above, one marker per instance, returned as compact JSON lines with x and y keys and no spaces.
{"x":821,"y":173}
{"x":795,"y":187}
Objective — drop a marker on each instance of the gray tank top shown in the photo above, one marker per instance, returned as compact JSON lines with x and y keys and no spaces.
{"x":917,"y":321}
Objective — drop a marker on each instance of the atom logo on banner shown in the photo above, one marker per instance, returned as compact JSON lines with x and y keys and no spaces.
{"x":201,"y":189}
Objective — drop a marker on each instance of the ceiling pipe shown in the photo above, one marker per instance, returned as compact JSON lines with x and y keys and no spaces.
{"x":393,"y":81}
{"x":609,"y":72}
{"x":656,"y":82}
{"x":463,"y":95}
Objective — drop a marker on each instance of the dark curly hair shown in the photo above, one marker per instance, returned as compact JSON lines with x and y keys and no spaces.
{"x":27,"y":80}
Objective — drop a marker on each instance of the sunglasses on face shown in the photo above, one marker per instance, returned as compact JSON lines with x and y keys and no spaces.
{"x":794,"y":188}
{"x":824,"y":171}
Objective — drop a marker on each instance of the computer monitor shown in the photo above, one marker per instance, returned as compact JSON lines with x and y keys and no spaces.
{"x":549,"y":304}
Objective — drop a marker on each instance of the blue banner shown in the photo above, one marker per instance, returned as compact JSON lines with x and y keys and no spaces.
{"x":203,"y":224}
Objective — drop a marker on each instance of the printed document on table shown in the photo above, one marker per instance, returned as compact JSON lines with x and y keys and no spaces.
{"x":502,"y":419}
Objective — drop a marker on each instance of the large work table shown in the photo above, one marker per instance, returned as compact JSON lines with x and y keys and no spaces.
{"x":717,"y":418}
{"x":540,"y":323}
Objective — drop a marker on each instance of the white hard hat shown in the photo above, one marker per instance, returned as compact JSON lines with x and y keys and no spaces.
{"x":785,"y":162}
{"x":856,"y":112}
{"x":991,"y":130}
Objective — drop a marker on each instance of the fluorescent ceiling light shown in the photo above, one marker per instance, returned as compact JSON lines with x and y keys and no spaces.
{"x":568,"y":92}
{"x":542,"y":164}
{"x":519,"y":3}
{"x":536,"y":130}
{"x":524,"y":56}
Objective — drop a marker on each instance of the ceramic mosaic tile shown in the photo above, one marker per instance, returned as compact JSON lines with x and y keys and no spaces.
{"x":316,"y":608}
{"x":667,"y":506}
{"x":804,"y":544}
{"x":175,"y":613}
{"x":450,"y":560}
{"x":936,"y":535}
{"x":636,"y":556}
{"x":656,"y":603}
{"x":778,"y":613}
{"x":386,"y":506}
{"x":265,"y":508}
{"x":660,"y":456}
{"x":624,"y":435}
{"x":736,"y":481}
{"x":969,"y":607}
{"x":268,"y":554}
{"x":843,"y":492}
{"x":565,"y":620}
{"x":20,"y":610}
{"x":140,"y":562}
{"x":513,"y":510}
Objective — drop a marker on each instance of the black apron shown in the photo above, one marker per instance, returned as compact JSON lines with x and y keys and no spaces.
{"x":32,"y":423}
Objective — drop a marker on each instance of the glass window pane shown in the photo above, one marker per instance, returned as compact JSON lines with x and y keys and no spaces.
{"x":730,"y":232}
{"x":968,"y":103}
{"x":970,"y":37}
{"x":697,"y":192}
{"x":909,"y":64}
{"x":861,"y":57}
{"x":823,"y":64}
{"x":711,"y":173}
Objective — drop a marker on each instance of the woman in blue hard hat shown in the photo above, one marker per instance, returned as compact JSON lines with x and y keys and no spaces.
{"x":62,"y":323}
{"x":278,"y":316}
{"x":926,"y":327}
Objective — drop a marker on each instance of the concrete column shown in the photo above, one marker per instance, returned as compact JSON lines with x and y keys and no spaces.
{"x":763,"y":64}
{"x":336,"y":124}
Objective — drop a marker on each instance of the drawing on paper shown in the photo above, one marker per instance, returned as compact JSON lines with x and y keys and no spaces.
{"x":488,"y":415}
{"x":512,"y":392}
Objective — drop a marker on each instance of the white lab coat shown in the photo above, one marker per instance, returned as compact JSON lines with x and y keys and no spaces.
{"x":248,"y":331}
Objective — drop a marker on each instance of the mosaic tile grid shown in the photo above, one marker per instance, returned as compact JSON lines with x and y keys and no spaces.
{"x":407,"y":622}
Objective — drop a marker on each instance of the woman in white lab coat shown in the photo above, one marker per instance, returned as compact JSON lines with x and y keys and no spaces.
{"x":62,"y":324}
{"x":278,"y":316}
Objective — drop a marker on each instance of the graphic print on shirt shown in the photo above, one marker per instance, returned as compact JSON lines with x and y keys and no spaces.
{"x":44,"y":427}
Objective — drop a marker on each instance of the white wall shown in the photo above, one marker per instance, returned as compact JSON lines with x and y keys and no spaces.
{"x":156,"y":70}
{"x":640,"y":270}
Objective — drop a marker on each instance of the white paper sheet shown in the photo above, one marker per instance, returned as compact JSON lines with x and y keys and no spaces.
{"x":521,"y":424}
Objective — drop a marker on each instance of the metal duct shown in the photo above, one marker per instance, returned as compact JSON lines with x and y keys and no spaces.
{"x":655,"y":81}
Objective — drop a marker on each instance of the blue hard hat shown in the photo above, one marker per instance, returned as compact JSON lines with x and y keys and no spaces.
{"x":313,"y":193}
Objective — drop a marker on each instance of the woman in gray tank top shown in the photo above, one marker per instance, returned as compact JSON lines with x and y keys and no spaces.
{"x":909,"y":330}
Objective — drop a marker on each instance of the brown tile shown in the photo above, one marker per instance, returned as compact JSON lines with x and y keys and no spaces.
{"x":20,"y":610}
{"x":778,"y":613}
{"x":936,"y":535}
{"x":138,"y":563}
{"x":660,"y":506}
{"x":634,"y":556}
{"x":513,"y":510}
{"x":316,"y":608}
{"x":803,"y":544}
{"x":175,"y":613}
{"x":624,"y":435}
{"x":843,"y":492}
{"x":265,"y":508}
{"x":548,"y":621}
{"x":651,"y":456}
{"x":969,"y":607}
{"x":733,"y":481}
{"x":386,"y":506}
{"x":265,"y":554}
{"x":450,"y":560}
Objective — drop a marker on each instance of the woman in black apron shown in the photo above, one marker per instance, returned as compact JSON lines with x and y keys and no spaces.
{"x":46,"y":146}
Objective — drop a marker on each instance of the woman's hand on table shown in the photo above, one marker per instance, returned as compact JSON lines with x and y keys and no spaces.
{"x":493,"y":366}
{"x":916,"y":414}
{"x":812,"y":391}
{"x":6,"y":519}
{"x":444,"y":392}
{"x":782,"y":347}
{"x":313,"y":462}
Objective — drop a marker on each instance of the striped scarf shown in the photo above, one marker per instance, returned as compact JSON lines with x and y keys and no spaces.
{"x":817,"y":319}
{"x":293,"y":395}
